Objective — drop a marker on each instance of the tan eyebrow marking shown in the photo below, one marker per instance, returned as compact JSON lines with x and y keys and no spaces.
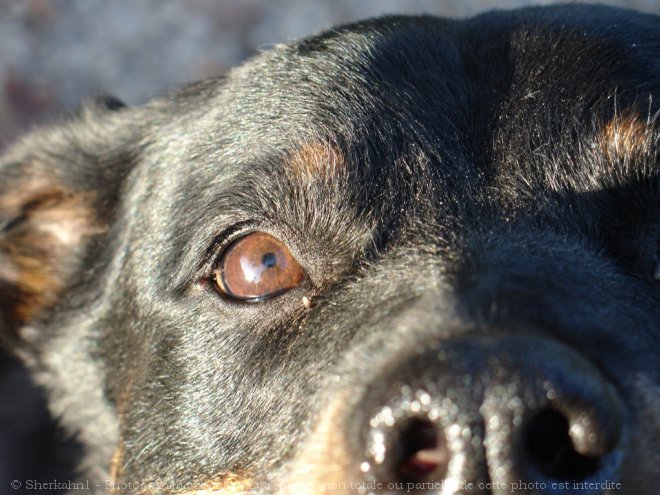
{"x":625,"y":136}
{"x":317,"y":160}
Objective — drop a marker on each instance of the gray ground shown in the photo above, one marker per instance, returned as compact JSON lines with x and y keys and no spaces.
{"x":53,"y":53}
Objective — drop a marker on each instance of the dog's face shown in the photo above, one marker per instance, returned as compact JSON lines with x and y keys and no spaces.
{"x":405,"y":251}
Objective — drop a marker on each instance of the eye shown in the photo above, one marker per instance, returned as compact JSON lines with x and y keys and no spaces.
{"x":256,"y":267}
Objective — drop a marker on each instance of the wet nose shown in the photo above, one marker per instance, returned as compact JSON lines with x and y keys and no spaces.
{"x":491,"y":415}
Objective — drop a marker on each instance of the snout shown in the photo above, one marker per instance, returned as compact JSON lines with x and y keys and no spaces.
{"x":490,"y":415}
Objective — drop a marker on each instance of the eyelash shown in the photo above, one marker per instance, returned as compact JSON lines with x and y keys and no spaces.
{"x":216,"y":249}
{"x":222,"y":241}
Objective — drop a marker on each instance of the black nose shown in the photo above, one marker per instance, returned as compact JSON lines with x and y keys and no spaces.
{"x":492,"y":415}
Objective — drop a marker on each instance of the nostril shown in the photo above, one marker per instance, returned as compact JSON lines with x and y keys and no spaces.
{"x":550,"y":446}
{"x":492,"y":409}
{"x":422,"y":452}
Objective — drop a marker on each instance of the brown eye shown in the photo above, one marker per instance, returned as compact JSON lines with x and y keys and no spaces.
{"x":257,"y":266}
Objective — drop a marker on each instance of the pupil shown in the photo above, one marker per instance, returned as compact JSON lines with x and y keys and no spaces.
{"x":269,"y":260}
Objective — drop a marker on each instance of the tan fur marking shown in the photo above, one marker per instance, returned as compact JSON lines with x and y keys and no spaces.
{"x":53,"y":225}
{"x":22,"y":194}
{"x":124,"y":399}
{"x":317,"y":161}
{"x":320,"y":467}
{"x":625,"y":137}
{"x":230,"y":484}
{"x":116,"y":463}
{"x":226,"y":484}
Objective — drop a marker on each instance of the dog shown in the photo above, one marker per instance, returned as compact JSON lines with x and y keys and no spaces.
{"x":406,"y":255}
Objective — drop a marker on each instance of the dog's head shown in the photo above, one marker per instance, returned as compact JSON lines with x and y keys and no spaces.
{"x":408,"y":250}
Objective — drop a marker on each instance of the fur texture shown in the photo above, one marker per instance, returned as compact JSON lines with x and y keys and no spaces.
{"x":437,"y":180}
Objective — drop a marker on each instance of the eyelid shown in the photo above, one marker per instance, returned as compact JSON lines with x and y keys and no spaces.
{"x":222,"y":241}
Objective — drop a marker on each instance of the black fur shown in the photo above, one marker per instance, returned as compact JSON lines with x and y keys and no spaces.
{"x":489,"y":191}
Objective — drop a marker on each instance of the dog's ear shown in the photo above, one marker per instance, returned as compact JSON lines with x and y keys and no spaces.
{"x":58,"y":191}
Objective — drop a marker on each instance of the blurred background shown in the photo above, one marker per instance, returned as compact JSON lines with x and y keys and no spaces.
{"x":53,"y":53}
